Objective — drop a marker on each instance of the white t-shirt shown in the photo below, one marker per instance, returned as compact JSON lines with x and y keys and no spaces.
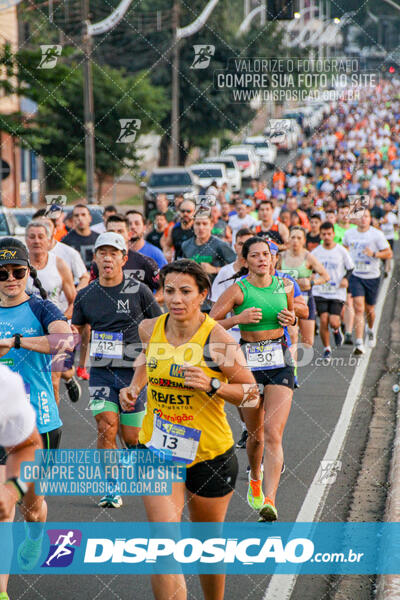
{"x":387,"y":228}
{"x":72,"y":258}
{"x":219,"y":286}
{"x":336,"y":261}
{"x":17,"y":416}
{"x":366,"y":267}
{"x":236,"y":223}
{"x":99,"y":228}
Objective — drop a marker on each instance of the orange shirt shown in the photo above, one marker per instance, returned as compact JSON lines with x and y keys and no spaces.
{"x":60,"y":232}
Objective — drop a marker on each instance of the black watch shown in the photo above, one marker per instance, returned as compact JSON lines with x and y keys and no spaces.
{"x":17,"y":340}
{"x":20,"y":485}
{"x":215,"y":385}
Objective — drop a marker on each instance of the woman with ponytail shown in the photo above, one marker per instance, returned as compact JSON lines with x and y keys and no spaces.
{"x":262,"y":305}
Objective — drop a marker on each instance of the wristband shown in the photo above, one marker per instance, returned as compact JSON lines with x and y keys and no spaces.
{"x":17,"y":340}
{"x":19,"y":485}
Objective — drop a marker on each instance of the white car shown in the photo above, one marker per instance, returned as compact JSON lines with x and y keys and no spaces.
{"x":247,"y":159}
{"x":208,"y":172}
{"x":232,"y":170}
{"x":264,"y":148}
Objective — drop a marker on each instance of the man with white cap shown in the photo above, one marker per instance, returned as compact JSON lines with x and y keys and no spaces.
{"x":113,"y":305}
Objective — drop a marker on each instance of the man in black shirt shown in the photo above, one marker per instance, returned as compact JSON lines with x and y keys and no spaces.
{"x":143,"y":268}
{"x":113,"y":306}
{"x":160,"y":223}
{"x":81,"y":237}
{"x":183,"y":230}
{"x":313,"y":236}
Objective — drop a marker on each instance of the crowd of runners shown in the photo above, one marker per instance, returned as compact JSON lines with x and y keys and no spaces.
{"x":207,"y":301}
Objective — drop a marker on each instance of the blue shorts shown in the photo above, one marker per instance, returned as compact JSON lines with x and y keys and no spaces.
{"x":105,"y":385}
{"x":368,"y":288}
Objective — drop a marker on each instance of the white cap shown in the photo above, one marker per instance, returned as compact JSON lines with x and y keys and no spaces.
{"x":109,"y":238}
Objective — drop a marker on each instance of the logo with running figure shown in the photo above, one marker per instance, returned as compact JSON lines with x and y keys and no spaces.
{"x":202,"y":56}
{"x":50,"y":54}
{"x":63,"y":543}
{"x":129,"y":129}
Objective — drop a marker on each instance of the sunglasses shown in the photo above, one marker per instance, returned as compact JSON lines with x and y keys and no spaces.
{"x":185,"y":210}
{"x":17,"y":273}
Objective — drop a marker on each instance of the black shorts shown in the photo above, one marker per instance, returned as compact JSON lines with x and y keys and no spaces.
{"x":214,"y":478}
{"x":51,"y":441}
{"x":3,"y":455}
{"x":327,"y":305}
{"x":312,"y":313}
{"x":282,"y":376}
{"x":391,"y":243}
{"x":367,"y":288}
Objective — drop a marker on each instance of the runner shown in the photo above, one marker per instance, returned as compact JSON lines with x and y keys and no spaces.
{"x":242,"y":218}
{"x":277,"y":232}
{"x":265,"y":350}
{"x":31,"y":329}
{"x":330,"y":297}
{"x":56,"y":279}
{"x":313,"y":238}
{"x":366,"y":246}
{"x":389,"y":226}
{"x":113,"y":306}
{"x":182,"y":231}
{"x":81,"y":237}
{"x":108,"y":211}
{"x":301,"y":264}
{"x":212,"y":466}
{"x":19,"y":439}
{"x":137,"y":243}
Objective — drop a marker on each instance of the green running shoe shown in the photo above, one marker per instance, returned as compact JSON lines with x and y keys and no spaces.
{"x":29,"y":552}
{"x":255,"y":495}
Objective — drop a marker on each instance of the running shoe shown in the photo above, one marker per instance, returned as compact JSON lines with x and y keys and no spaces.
{"x":359,"y":349}
{"x":111,"y":501}
{"x":255,"y":494}
{"x":29,"y":552}
{"x":371,"y":341}
{"x":242,"y":442}
{"x":74,"y":389}
{"x":347,"y":339}
{"x":327,"y":356}
{"x":4,"y":596}
{"x":82,"y":373}
{"x":338,"y":335}
{"x":268,"y":511}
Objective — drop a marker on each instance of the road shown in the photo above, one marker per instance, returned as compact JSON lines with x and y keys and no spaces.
{"x":316,"y":409}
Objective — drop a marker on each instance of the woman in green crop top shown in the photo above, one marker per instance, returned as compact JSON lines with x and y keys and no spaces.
{"x":262,"y":305}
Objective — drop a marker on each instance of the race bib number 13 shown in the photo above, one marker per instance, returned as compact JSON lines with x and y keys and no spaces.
{"x":176,"y":442}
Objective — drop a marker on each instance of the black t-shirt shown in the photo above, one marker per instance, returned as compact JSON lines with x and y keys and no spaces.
{"x":140,"y":267}
{"x":312,"y":241}
{"x":179,"y":236}
{"x":154,"y":238}
{"x":117,"y":309}
{"x":83,"y":243}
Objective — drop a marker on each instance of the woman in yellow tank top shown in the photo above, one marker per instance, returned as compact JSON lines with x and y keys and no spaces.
{"x":187,"y":364}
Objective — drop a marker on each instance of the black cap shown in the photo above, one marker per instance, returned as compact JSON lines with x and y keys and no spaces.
{"x":13,"y":255}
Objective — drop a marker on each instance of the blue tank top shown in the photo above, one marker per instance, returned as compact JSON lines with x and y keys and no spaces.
{"x":31,"y":319}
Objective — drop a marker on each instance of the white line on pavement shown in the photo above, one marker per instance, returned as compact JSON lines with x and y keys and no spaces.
{"x":280,"y":587}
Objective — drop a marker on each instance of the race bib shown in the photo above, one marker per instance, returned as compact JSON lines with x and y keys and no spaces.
{"x":327,"y":288}
{"x":363,"y":266}
{"x":261,"y":356}
{"x":177,"y":442}
{"x":106,"y":345}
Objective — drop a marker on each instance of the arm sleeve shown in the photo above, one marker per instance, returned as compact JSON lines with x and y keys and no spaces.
{"x":46,"y":312}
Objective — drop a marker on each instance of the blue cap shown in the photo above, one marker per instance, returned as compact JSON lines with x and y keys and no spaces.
{"x":273,"y":247}
{"x":247,"y":202}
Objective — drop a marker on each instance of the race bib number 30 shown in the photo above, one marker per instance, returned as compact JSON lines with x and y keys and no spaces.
{"x":264,"y":356}
{"x":177,"y":442}
{"x":106,"y":345}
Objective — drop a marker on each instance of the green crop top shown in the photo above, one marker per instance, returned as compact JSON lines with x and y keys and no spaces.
{"x":271,"y":300}
{"x":300,"y":272}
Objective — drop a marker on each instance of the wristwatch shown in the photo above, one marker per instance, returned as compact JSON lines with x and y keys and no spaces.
{"x":17,"y":340}
{"x":295,"y":321}
{"x":215,"y":385}
{"x":20,"y":485}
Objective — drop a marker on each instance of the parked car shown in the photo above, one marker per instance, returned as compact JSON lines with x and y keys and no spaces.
{"x":209,"y":172}
{"x":247,"y":159}
{"x":232,"y":170}
{"x":169,"y":181}
{"x":265,"y":149}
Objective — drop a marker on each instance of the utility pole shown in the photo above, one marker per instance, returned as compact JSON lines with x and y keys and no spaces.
{"x":88,"y":104}
{"x":174,"y":148}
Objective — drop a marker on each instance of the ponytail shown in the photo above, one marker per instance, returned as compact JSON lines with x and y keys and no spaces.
{"x":242,"y":271}
{"x":37,"y":282}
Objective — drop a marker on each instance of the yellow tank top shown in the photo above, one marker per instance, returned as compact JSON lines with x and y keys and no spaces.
{"x":168,"y":397}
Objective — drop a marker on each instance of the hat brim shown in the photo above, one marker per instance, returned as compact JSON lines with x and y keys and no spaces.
{"x":13,"y":261}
